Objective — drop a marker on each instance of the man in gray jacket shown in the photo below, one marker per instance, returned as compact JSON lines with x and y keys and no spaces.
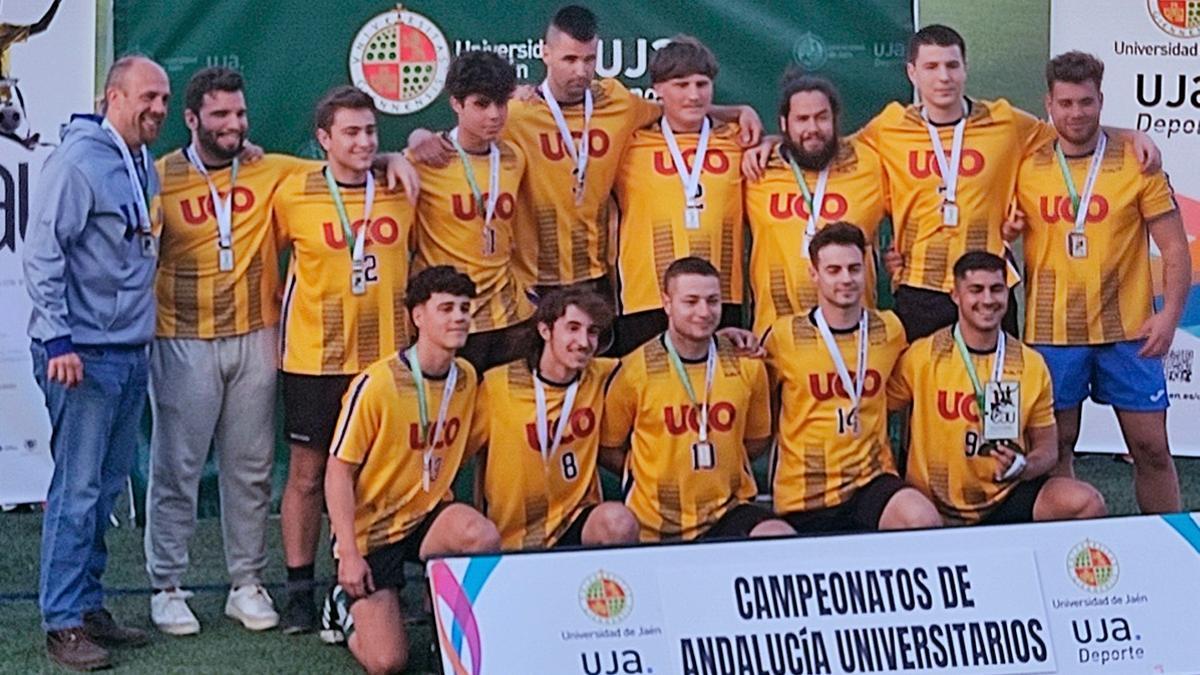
{"x":90,"y":258}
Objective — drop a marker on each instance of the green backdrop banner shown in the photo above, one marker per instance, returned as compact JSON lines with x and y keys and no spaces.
{"x":292,"y":51}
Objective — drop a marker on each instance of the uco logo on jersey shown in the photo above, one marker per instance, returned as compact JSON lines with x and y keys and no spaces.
{"x":400,"y":58}
{"x":1180,"y":18}
{"x":605,"y":597}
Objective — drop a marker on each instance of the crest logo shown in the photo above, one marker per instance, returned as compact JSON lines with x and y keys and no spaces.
{"x":810,"y":51}
{"x":400,"y":58}
{"x":1180,"y":18}
{"x":1093,"y":566}
{"x":605,"y":598}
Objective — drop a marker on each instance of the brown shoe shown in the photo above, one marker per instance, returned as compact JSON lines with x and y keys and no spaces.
{"x":73,"y":649}
{"x":102,"y":628}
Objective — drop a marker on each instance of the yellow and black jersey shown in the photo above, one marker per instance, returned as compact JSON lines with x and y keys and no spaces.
{"x":995,"y":139}
{"x":534,"y":500}
{"x":855,"y":192}
{"x":675,"y":492}
{"x":822,"y":460}
{"x":195,"y":298}
{"x":1107,"y":295}
{"x":327,"y":329}
{"x":450,"y":231}
{"x":945,"y":430}
{"x":651,"y":233}
{"x":558,"y":240}
{"x":379,"y":431}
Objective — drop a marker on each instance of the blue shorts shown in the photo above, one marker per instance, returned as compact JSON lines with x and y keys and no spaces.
{"x":1112,"y":374}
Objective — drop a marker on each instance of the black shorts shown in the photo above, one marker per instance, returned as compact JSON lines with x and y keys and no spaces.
{"x":387,"y":563}
{"x":1018,"y":506}
{"x":494,"y":347}
{"x":633,"y":330}
{"x":573,"y":537}
{"x":738,"y":522}
{"x":311,"y":404}
{"x":924,"y":312}
{"x":860,"y":513}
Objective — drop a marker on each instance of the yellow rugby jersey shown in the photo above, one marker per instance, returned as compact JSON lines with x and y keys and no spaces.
{"x":533,"y":502}
{"x":450,"y":232}
{"x":945,"y":430}
{"x":996,"y":137}
{"x":327,"y":330}
{"x":820,"y":461}
{"x":559,"y":241}
{"x":379,"y":430}
{"x":195,"y":298}
{"x":1107,"y":296}
{"x":652,"y":233}
{"x":669,"y":493}
{"x":855,"y":192}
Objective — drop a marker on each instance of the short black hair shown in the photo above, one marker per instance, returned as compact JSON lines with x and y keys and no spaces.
{"x":796,"y":81}
{"x":577,"y":21}
{"x":689,"y":265}
{"x":483,"y":73}
{"x":339,"y":98}
{"x":972,"y":261}
{"x":437,"y":279}
{"x":839,"y":233}
{"x":683,"y":56}
{"x":552,"y":306}
{"x":938,"y":35}
{"x":207,"y":80}
{"x":1074,"y":67}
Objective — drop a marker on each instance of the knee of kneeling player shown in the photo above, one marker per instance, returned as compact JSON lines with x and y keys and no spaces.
{"x":1075,"y":500}
{"x":394,"y":660}
{"x":614,"y":524}
{"x":772,"y":528}
{"x":479,"y":535}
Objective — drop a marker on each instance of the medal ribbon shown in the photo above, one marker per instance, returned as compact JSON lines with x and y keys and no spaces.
{"x":948,"y":168}
{"x":431,"y":441}
{"x":710,"y":368}
{"x":578,"y":155}
{"x":854,"y":389}
{"x":690,"y":180}
{"x":355,"y":241}
{"x":139,"y":191}
{"x":1078,"y":201}
{"x":547,"y":446}
{"x":488,"y":208}
{"x":813,"y":200}
{"x":997,"y":367}
{"x":222,"y":209}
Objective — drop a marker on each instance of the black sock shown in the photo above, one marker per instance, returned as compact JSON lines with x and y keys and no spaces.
{"x":301,"y":579}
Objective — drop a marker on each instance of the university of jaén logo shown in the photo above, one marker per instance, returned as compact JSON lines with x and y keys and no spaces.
{"x":1180,"y":18}
{"x":1092,"y":566}
{"x":605,"y":598}
{"x":400,"y":58}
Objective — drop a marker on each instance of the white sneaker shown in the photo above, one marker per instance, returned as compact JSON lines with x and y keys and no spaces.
{"x":252,"y":606}
{"x":170,"y":612}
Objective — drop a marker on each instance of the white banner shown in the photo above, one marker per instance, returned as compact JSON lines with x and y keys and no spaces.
{"x":1151,"y":51}
{"x":1116,"y":595}
{"x":55,"y":73}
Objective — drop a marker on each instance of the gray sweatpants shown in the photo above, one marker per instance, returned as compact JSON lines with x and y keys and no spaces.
{"x":216,"y":393}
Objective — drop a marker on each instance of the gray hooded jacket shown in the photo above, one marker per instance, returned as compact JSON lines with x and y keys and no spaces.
{"x":85,"y":270}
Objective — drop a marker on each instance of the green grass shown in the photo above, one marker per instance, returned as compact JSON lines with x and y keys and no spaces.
{"x":224,"y":647}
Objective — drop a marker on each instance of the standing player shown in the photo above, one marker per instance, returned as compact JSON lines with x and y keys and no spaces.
{"x":1089,"y":311}
{"x":342,"y":310}
{"x":401,"y":437}
{"x":467,"y":209}
{"x":538,"y":419}
{"x":835,"y":470}
{"x":573,"y":131}
{"x":813,"y":177}
{"x":679,"y":189}
{"x":683,"y":417}
{"x":951,"y":165}
{"x":983,"y":440}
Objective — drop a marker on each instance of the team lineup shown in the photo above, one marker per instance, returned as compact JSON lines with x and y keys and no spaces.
{"x":574,"y":277}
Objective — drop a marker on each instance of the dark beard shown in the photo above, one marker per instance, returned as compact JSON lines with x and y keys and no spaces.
{"x":811,"y":161}
{"x":209,"y":142}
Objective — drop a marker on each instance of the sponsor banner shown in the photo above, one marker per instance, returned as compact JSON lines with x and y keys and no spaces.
{"x":46,"y":76}
{"x":1150,"y":50}
{"x":1103,"y":596}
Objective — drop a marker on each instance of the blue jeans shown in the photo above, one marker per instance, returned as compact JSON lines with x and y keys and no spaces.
{"x":93,"y":439}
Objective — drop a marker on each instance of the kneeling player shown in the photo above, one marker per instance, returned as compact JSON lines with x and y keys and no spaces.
{"x":835,"y":470}
{"x":983,"y":438}
{"x":398,"y":443}
{"x":693,"y":414}
{"x":538,"y":420}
